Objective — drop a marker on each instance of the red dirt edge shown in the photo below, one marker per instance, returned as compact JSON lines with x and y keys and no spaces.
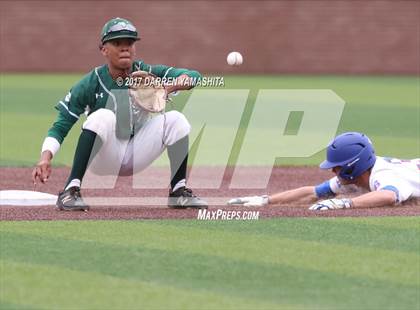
{"x":282,"y":178}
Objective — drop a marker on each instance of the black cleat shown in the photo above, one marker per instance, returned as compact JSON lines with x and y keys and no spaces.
{"x":184,"y":198}
{"x":71,"y":200}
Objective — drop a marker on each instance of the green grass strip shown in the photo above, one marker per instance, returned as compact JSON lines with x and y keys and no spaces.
{"x":236,"y":278}
{"x":367,"y":262}
{"x":31,"y":285}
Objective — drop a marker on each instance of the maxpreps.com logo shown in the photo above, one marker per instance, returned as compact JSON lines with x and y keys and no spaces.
{"x":219,"y":214}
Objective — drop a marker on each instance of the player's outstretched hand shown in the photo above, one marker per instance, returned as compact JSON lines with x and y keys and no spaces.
{"x":42,"y":171}
{"x":252,"y":201}
{"x":332,"y":204}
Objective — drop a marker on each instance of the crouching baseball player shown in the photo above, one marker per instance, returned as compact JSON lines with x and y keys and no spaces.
{"x":116,"y":126}
{"x":351,"y":157}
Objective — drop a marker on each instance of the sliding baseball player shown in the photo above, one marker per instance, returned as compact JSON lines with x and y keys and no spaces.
{"x":351,"y":157}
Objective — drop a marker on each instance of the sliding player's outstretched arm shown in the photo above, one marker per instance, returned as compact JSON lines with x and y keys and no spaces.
{"x":301,"y":194}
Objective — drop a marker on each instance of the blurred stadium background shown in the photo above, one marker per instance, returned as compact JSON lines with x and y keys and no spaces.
{"x":276,"y":37}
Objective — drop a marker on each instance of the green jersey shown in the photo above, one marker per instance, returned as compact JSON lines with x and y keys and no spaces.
{"x":98,"y":90}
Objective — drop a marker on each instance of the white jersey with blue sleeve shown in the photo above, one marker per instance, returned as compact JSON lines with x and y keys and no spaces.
{"x":399,"y":176}
{"x":332,"y":187}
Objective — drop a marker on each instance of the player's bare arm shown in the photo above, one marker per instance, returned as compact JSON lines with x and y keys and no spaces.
{"x":375,"y":199}
{"x":301,"y":194}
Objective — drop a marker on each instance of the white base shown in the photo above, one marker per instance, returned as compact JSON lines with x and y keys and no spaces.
{"x":26,"y":198}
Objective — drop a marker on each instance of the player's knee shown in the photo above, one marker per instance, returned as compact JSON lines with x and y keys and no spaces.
{"x":181,"y":124}
{"x":184,"y":124}
{"x":101,"y":122}
{"x":178,"y":126}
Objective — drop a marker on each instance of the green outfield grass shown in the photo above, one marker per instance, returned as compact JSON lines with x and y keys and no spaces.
{"x":335,"y":263}
{"x":386,"y":108}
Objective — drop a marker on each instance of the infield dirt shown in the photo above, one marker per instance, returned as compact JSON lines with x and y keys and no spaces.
{"x":282,"y":178}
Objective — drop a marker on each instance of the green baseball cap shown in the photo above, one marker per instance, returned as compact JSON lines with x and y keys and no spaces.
{"x":118,"y":28}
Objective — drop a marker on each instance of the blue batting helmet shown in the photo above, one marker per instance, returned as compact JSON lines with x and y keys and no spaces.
{"x":353,"y":152}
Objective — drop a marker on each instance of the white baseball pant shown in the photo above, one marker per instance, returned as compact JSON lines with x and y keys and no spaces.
{"x":125,"y":157}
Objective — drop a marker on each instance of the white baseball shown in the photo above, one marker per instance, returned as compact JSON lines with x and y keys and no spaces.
{"x":234,"y":59}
